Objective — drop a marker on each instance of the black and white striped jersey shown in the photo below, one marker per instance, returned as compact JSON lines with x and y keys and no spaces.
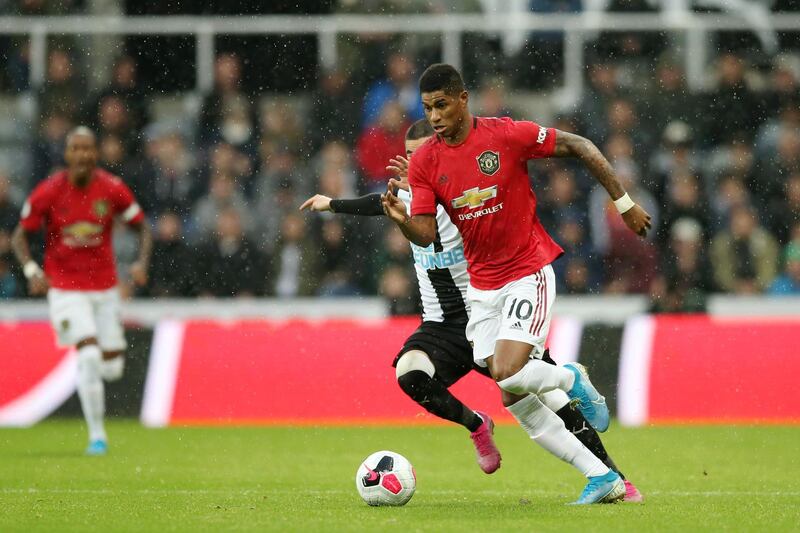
{"x":441,"y":271}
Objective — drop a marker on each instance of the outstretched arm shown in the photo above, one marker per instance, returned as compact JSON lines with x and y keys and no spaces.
{"x":571,"y":145}
{"x":368,"y":206}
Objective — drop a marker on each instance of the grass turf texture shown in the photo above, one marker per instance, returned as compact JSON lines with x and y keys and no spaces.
{"x":301,"y":479}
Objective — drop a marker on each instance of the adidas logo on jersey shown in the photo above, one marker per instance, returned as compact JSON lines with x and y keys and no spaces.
{"x":516,"y":325}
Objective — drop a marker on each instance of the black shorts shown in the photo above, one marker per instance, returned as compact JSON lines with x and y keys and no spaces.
{"x":448,"y":349}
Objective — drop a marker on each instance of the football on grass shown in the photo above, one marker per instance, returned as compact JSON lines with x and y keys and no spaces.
{"x":386,"y":478}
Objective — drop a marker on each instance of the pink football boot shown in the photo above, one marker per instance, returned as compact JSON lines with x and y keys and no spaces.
{"x":488,"y":454}
{"x":632,"y":494}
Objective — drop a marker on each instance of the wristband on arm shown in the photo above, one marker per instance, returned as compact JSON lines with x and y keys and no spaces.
{"x":31,"y":269}
{"x":624,"y":203}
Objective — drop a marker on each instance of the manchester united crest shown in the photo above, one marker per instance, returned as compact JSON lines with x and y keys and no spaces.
{"x":489,"y":162}
{"x":100,"y":208}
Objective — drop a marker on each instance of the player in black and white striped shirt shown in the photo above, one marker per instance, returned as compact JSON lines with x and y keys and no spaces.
{"x":438,"y":354}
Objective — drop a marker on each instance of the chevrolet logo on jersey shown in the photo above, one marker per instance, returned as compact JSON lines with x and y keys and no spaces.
{"x":82,"y":234}
{"x":475,"y":197}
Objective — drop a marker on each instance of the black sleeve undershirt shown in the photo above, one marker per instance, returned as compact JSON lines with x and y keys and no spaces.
{"x":368,"y":206}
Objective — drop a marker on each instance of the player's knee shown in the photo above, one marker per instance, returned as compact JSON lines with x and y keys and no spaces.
{"x":89,"y":359}
{"x":112,"y":369}
{"x":510,"y":398}
{"x":414,"y":360}
{"x":502,"y":369}
{"x":509,"y":359}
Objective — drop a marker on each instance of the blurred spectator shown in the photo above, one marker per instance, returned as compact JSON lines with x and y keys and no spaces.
{"x":226,"y":160}
{"x":788,"y":283}
{"x":623,"y":119}
{"x":295,"y":259}
{"x":399,"y":85}
{"x":602,"y":89}
{"x":735,"y":158}
{"x":379,"y":143}
{"x":48,"y":147}
{"x":335,"y":110}
{"x":63,"y":90}
{"x":784,"y":213}
{"x":493,"y":101}
{"x":577,"y":271}
{"x":276,"y":195}
{"x":227,"y":113}
{"x":786,"y":120}
{"x":223,"y":196}
{"x":228,"y":263}
{"x":559,"y":199}
{"x":629,"y":260}
{"x":113,"y":118}
{"x":166,"y":178}
{"x":124,"y":85}
{"x":281,"y":128}
{"x":730,"y":193}
{"x":768,"y":183}
{"x":731,"y":109}
{"x":684,"y":278}
{"x":340,"y":268}
{"x":685,"y":200}
{"x":783,"y":86}
{"x":173,"y":267}
{"x":631,"y":49}
{"x":336,"y":157}
{"x":670,"y":99}
{"x":674,"y":157}
{"x":745,"y":255}
{"x":112,"y":154}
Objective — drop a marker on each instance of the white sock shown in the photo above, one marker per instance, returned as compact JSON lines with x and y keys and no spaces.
{"x":91,"y":390}
{"x":548,"y":431}
{"x":538,"y":377}
{"x":111,"y":369}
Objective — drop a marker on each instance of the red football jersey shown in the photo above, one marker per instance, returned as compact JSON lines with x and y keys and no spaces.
{"x":78,"y":252}
{"x":483,"y":185}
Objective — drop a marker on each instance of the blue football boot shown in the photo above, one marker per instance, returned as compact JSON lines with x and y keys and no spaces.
{"x":97,"y":447}
{"x":585,"y":397}
{"x":607,"y":488}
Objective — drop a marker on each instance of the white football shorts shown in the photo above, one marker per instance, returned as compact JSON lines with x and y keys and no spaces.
{"x":518,"y":311}
{"x":78,"y":315}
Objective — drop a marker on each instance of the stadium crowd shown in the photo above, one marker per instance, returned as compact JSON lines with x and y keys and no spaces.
{"x":719,"y":171}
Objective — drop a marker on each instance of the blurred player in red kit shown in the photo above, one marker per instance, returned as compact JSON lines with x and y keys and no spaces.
{"x":476,"y":169}
{"x":76,"y":208}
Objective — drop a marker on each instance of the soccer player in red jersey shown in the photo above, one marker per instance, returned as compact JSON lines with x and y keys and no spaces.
{"x":77,"y":208}
{"x":476,"y":168}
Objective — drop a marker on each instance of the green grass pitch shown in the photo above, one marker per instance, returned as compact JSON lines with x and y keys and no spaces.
{"x":302,"y":479}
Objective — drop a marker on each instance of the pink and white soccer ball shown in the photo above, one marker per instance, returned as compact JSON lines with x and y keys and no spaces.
{"x":386,"y":478}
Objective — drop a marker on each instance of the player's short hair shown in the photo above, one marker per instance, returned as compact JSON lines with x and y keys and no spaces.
{"x":82,"y":131}
{"x":441,"y":77}
{"x":419,"y":130}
